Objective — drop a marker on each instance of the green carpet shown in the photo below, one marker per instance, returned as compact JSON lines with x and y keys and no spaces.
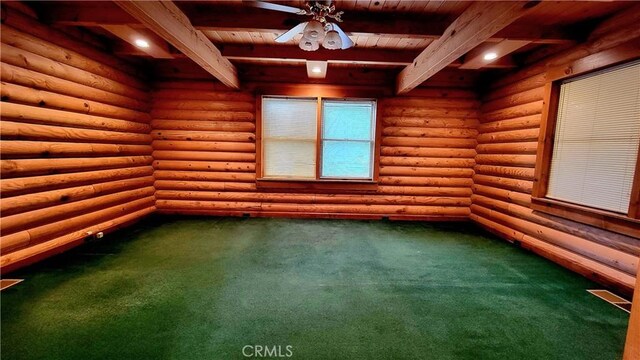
{"x":203,"y":288}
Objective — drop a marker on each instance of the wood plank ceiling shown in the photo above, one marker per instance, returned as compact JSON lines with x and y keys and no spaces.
{"x":388,"y":34}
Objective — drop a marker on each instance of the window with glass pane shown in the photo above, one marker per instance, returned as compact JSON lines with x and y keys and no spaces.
{"x":289,"y":137}
{"x":348,"y":135}
{"x":596,"y":140}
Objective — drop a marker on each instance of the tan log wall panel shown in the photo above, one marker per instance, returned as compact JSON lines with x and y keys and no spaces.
{"x":75,"y":142}
{"x":204,"y":151}
{"x":504,"y":173}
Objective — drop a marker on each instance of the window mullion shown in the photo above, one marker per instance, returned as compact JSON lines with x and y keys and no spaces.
{"x":319,"y":139}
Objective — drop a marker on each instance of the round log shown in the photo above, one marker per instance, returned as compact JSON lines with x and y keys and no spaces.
{"x":202,"y":115}
{"x":559,"y":255}
{"x":431,"y":112}
{"x":29,"y":185}
{"x":314,"y":208}
{"x":506,"y":171}
{"x":430,"y":132}
{"x":427,"y":152}
{"x":38,"y":200}
{"x":50,"y":231}
{"x":194,"y":125}
{"x":425,"y":190}
{"x":312,"y":198}
{"x":40,"y":149}
{"x":24,"y":221}
{"x":429,"y":122}
{"x":203,"y":185}
{"x":212,"y":146}
{"x":204,"y":165}
{"x":36,"y":80}
{"x":425,"y":181}
{"x":21,"y":94}
{"x":21,"y":58}
{"x":204,"y":176}
{"x":427,"y":162}
{"x":527,"y":96}
{"x":13,"y":260}
{"x":506,"y":159}
{"x":425,"y":171}
{"x":37,"y":115}
{"x":207,"y":136}
{"x":12,"y":130}
{"x":206,"y":105}
{"x":31,"y":167}
{"x":529,"y":147}
{"x":429,"y":142}
{"x":205,"y":95}
{"x":509,"y":136}
{"x":203,"y":156}
{"x":46,"y":41}
{"x":525,"y":122}
{"x":524,"y":186}
{"x":532,"y":108}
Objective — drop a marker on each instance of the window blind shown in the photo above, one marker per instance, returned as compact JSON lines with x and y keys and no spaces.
{"x":348,"y":134}
{"x":289,"y":137}
{"x":597,"y":138}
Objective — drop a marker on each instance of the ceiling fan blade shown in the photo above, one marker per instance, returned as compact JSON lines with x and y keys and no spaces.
{"x":276,"y":7}
{"x":346,"y":41}
{"x":291,"y":33}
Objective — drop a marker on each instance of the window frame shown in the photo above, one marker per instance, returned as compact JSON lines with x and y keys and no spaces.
{"x":628,"y":224}
{"x":321,"y":139}
{"x":319,"y":184}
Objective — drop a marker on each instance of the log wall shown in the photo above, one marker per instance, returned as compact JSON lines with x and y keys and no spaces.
{"x":204,"y":150}
{"x":75,"y":148}
{"x":505,"y":162}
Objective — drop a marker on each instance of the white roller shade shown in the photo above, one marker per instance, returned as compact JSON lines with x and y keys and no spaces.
{"x":289,"y":137}
{"x":597,"y":138}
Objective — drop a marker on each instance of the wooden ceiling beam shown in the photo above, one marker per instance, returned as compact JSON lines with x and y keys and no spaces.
{"x":295,"y":56}
{"x":474,"y":59}
{"x":474,"y":26}
{"x":158,"y":47}
{"x":239,"y":18}
{"x":170,"y":23}
{"x":360,"y":56}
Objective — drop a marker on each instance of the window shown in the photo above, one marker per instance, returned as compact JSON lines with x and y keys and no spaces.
{"x":596,"y":139}
{"x":318,"y":139}
{"x":289,"y":137}
{"x":588,"y":172}
{"x":348,"y":134}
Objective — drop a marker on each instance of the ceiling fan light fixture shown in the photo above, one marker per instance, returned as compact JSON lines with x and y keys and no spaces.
{"x":308,"y":44}
{"x":314,"y":30}
{"x":332,"y":40}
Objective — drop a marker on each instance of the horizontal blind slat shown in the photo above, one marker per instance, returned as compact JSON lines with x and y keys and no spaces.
{"x":597,"y":139}
{"x":289,"y":137}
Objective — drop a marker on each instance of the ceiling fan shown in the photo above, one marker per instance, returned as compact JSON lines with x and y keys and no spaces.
{"x":315,"y":32}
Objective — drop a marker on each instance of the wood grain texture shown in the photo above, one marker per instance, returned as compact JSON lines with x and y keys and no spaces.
{"x":511,"y":116}
{"x":474,"y":26}
{"x":76,"y":145}
{"x":632,"y":344}
{"x":170,"y":23}
{"x":207,"y":165}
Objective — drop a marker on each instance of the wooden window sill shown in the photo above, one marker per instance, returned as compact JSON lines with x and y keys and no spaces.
{"x":313,"y":185}
{"x":598,"y":218}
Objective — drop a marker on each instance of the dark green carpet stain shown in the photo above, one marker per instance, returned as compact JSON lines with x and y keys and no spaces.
{"x":202,"y":288}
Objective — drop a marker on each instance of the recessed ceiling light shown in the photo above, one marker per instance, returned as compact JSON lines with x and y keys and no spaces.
{"x":490,"y":56}
{"x":316,"y":69}
{"x":142,"y":43}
